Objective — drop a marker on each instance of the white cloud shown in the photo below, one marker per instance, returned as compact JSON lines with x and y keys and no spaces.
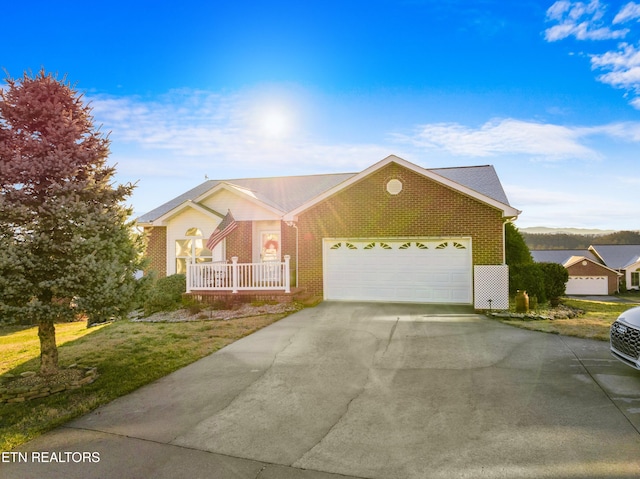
{"x":622,"y":67}
{"x":584,"y":21}
{"x":193,"y":133}
{"x":171,"y":142}
{"x":630,"y":11}
{"x":191,"y":123}
{"x":507,"y":136}
{"x":594,"y":207}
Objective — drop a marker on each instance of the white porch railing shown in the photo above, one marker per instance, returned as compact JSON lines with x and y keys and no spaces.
{"x":234,"y":276}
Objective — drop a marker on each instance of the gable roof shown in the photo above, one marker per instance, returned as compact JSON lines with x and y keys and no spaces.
{"x":284,"y":193}
{"x":507,"y":210}
{"x":190,"y":204}
{"x":288,"y":193}
{"x":617,"y":256}
{"x":561,"y":256}
{"x":482,"y":179}
{"x":568,"y":257}
{"x":578,"y":259}
{"x":243,"y":192}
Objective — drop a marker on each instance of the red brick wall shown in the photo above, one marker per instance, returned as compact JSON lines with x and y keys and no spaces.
{"x":592,"y":269}
{"x":423,"y":208}
{"x":157,"y":249}
{"x":289,"y":247}
{"x":239,"y":243}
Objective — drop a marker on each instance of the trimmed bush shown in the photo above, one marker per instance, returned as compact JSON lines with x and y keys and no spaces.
{"x":166,"y":294}
{"x":529,"y":278}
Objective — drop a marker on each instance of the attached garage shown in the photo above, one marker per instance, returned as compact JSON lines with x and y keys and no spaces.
{"x":396,"y":232}
{"x":587,"y":276}
{"x":587,"y":285}
{"x":398,"y":270}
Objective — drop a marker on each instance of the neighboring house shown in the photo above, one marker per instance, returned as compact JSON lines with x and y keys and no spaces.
{"x":587,"y":274}
{"x":623,"y":258}
{"x":393,"y":232}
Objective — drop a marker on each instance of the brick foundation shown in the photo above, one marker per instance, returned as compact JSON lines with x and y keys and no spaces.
{"x":227,"y":297}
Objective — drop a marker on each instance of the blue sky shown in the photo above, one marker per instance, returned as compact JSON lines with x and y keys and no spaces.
{"x":547,"y":92}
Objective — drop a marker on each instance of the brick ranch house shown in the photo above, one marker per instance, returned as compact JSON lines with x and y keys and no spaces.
{"x":392,"y":232}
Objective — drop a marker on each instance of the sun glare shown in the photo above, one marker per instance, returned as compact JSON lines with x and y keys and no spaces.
{"x":275,"y":123}
{"x":273,"y":114}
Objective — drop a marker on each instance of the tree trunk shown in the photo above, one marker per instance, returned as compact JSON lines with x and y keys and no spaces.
{"x":48,"y":348}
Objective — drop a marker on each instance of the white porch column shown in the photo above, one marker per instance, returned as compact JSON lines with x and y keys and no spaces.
{"x":287,"y":274}
{"x":234,"y":274}
{"x":189,"y":280}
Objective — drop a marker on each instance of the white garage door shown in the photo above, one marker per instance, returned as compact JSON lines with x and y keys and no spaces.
{"x":426,"y":271}
{"x":587,"y":285}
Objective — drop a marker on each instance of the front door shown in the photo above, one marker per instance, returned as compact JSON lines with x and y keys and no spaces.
{"x":270,"y":256}
{"x":269,"y":246}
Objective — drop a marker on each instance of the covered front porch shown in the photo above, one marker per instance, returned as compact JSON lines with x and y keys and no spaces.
{"x":237,"y":277}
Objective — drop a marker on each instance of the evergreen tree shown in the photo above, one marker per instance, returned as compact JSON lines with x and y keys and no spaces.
{"x":67,"y":246}
{"x":516,"y":250}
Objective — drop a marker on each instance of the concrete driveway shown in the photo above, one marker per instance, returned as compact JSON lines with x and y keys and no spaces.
{"x":367,"y":391}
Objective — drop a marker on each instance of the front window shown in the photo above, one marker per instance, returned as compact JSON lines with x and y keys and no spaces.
{"x":191,"y":249}
{"x":635,"y":279}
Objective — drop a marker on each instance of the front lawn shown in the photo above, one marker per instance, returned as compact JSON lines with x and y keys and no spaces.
{"x":127,"y":355}
{"x":594,"y":324}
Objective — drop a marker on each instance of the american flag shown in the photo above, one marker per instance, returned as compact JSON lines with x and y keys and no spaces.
{"x":226,"y":226}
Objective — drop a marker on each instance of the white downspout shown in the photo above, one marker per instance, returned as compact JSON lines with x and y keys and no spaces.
{"x":294,"y":225}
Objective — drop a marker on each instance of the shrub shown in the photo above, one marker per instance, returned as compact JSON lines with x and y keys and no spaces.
{"x":555,"y":281}
{"x":529,"y":278}
{"x":192,"y":305}
{"x":622,"y":287}
{"x":166,"y":294}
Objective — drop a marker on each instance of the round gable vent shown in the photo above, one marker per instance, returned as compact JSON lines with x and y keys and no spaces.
{"x":394,"y":186}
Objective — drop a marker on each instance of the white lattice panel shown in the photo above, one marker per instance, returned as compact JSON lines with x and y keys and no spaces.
{"x":491,"y":287}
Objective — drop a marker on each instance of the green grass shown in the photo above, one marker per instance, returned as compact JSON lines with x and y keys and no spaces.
{"x":594,"y":324}
{"x":128,"y":355}
{"x":19,"y":344}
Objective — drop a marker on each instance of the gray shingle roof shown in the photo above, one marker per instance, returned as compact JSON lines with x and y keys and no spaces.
{"x":289,"y":192}
{"x":482,"y":179}
{"x":561,"y":256}
{"x":618,"y":256}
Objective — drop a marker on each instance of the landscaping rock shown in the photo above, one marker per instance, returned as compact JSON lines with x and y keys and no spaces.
{"x":32,"y":386}
{"x":557,"y":313}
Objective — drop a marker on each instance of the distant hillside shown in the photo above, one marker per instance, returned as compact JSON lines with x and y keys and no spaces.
{"x":577,"y":241}
{"x":570,"y":231}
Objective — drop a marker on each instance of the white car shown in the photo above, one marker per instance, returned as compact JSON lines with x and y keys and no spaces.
{"x":625,"y":338}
